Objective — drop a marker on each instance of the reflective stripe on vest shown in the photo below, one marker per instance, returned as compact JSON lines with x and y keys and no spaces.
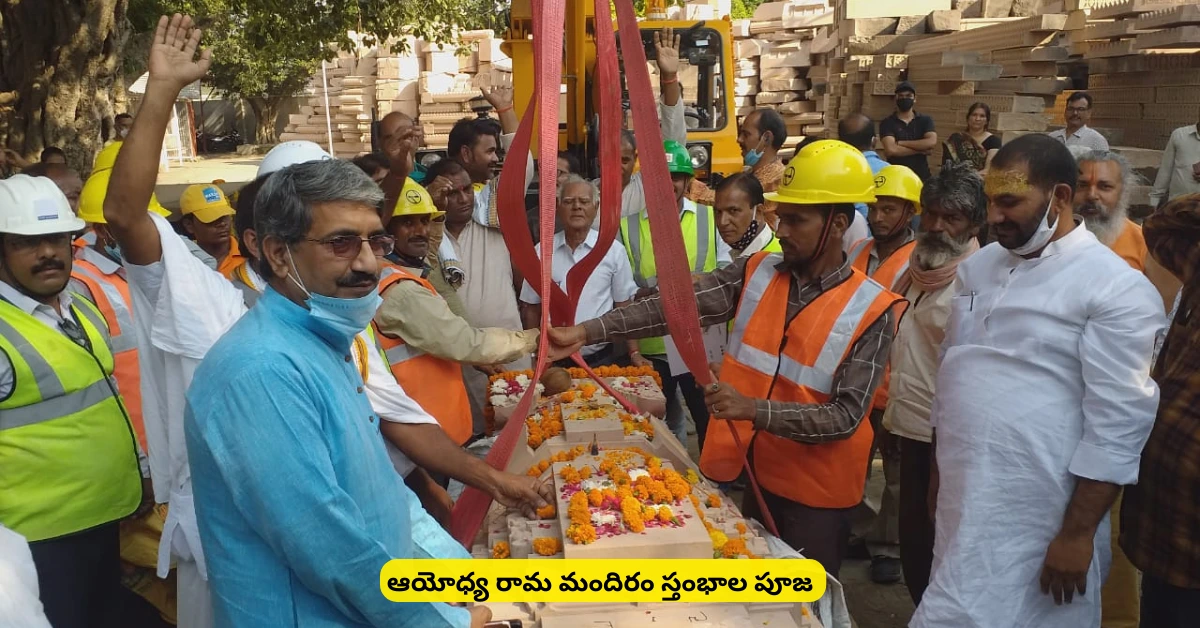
{"x":54,"y":407}
{"x":122,"y":338}
{"x":819,"y":376}
{"x":47,"y":381}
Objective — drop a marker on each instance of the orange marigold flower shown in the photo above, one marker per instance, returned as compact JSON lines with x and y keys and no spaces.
{"x":741,"y":527}
{"x":733,"y":548}
{"x":546,"y":512}
{"x":581,"y":533}
{"x":713,"y":501}
{"x":585,"y":473}
{"x":547,"y":546}
{"x":567,"y":397}
{"x":631,"y":511}
{"x":595,"y":497}
{"x":500,"y":549}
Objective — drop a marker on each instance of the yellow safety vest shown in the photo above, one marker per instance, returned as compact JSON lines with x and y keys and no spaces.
{"x":699,"y":234}
{"x":68,"y":461}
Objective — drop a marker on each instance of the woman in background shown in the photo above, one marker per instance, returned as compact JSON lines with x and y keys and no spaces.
{"x":976,"y":145}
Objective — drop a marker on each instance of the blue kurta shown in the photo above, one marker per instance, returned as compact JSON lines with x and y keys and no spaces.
{"x":298,"y":504}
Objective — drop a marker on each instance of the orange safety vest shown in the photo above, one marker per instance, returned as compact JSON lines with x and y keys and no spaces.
{"x":111,"y":295}
{"x":796,"y":364}
{"x":433,"y":382}
{"x":889,"y":271}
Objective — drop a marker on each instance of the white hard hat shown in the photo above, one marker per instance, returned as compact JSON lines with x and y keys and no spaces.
{"x":35,"y":206}
{"x":290,"y":154}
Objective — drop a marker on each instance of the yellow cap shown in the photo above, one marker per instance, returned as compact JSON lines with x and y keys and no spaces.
{"x":826,"y":172}
{"x":206,"y":202}
{"x":415,"y":201}
{"x":899,"y":182}
{"x":107,"y":157}
{"x":91,"y":200}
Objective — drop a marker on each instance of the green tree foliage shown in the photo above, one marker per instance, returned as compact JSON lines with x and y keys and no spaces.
{"x":265,"y":50}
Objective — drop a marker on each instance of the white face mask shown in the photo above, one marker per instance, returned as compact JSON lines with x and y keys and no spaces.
{"x":1041,"y":237}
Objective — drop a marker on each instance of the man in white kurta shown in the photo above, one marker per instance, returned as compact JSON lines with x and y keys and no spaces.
{"x":1044,"y":402}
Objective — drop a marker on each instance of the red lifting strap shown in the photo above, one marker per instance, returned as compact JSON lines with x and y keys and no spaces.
{"x":558,"y":308}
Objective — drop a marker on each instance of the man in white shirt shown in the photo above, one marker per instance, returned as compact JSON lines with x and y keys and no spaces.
{"x":610,"y":285}
{"x":1179,"y":173}
{"x":1044,"y":402}
{"x":1077,"y":133}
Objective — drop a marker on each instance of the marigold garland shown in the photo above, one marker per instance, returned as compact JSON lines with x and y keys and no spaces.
{"x":500,"y":550}
{"x":631,"y":511}
{"x":547,"y":546}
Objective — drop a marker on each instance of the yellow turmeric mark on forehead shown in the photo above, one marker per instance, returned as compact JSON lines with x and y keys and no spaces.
{"x":1005,"y":182}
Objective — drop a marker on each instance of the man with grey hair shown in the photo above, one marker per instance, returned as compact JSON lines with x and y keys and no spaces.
{"x":609,"y":286}
{"x":283,"y":553}
{"x":1102,"y":196}
{"x":954,"y":210}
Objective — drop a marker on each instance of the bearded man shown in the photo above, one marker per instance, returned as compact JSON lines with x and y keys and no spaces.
{"x":955,"y":209}
{"x":1106,"y":182}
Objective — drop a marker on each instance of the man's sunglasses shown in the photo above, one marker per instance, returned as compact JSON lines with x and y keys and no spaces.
{"x":348,"y":246}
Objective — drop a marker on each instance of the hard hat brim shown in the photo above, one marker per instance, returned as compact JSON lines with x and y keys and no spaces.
{"x":822,"y":198}
{"x":47,"y":227}
{"x":433,"y":215}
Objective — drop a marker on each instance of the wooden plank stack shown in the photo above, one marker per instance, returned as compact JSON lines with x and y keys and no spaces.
{"x":1012,"y":65}
{"x":1145,"y":80}
{"x":776,"y":66}
{"x":420,"y":79}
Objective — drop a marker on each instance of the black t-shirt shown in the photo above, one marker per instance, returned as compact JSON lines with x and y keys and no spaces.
{"x":908,"y":131}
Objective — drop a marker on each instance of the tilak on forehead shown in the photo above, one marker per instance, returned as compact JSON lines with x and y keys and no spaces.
{"x":1000,"y":182}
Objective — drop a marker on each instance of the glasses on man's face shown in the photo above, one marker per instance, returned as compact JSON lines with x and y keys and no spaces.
{"x":348,"y":246}
{"x":1076,"y":109}
{"x":29,"y":243}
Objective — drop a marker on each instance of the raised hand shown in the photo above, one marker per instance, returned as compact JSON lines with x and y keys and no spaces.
{"x":173,"y":59}
{"x":499,"y":97}
{"x":666,"y":47}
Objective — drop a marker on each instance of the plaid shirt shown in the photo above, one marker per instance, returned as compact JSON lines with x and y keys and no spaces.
{"x":717,"y":296}
{"x":1160,"y":517}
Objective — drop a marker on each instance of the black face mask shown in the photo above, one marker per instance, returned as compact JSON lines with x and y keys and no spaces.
{"x":905,"y":104}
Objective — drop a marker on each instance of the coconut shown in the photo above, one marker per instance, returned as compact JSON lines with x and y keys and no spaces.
{"x":556,"y":380}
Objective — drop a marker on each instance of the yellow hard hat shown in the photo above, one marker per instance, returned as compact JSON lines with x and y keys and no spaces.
{"x":826,"y":172}
{"x":91,"y":199}
{"x":899,"y":182}
{"x":415,"y":201}
{"x":107,"y":157}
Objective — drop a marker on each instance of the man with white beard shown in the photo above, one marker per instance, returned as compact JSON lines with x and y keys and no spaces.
{"x":1106,"y":182}
{"x":954,"y":210}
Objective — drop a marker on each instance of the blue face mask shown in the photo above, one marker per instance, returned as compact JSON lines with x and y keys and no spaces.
{"x":346,"y":317}
{"x":114,"y":252}
{"x":752,"y":157}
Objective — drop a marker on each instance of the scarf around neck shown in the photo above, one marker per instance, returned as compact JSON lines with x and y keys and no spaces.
{"x":934,"y":278}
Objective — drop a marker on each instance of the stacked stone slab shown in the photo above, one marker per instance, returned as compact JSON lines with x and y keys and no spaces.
{"x":1145,"y":78}
{"x":1012,"y":65}
{"x":432,"y":82}
{"x":775,"y":63}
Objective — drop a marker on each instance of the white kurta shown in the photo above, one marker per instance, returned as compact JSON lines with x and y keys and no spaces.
{"x":1044,"y":378}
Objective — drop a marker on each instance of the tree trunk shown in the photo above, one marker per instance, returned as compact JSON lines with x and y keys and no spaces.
{"x":266,"y":113}
{"x":59,"y":65}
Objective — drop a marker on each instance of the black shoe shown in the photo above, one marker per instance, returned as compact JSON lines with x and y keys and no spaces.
{"x":885,"y":570}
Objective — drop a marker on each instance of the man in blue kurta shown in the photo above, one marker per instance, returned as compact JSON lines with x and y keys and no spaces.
{"x":297,"y":502}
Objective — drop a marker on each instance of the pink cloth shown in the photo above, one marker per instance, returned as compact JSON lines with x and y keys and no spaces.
{"x":934,"y":278}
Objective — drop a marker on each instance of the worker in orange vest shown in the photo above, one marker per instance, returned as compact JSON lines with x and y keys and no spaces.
{"x":97,"y":273}
{"x":884,"y":257}
{"x":425,"y":343}
{"x":810,"y":336}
